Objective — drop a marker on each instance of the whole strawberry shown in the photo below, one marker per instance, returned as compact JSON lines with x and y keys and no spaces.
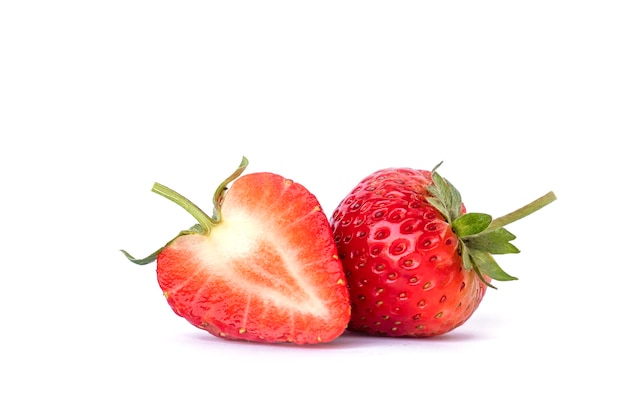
{"x":262,"y":268}
{"x":416,"y":264}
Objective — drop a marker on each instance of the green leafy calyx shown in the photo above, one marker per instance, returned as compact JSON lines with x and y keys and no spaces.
{"x":479,"y":235}
{"x":205,"y":222}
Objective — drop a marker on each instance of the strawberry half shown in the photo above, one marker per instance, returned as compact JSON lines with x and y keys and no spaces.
{"x":416,"y":264}
{"x":263,"y":267}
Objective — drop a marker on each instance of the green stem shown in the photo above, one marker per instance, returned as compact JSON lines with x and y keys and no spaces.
{"x":522,"y":212}
{"x":205,"y":221}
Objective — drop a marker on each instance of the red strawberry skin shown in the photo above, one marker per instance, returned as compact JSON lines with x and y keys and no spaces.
{"x":401,"y":258}
{"x":267,"y":272}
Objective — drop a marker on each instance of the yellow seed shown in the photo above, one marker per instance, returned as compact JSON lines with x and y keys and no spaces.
{"x":242,"y":330}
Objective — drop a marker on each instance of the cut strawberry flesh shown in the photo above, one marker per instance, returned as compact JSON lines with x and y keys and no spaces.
{"x":268,"y":271}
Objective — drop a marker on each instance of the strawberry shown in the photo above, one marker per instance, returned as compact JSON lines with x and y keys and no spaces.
{"x":416,"y":263}
{"x":263,"y":267}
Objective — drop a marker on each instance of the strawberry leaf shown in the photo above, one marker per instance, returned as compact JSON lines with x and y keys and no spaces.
{"x":438,"y":204}
{"x":485,"y":264}
{"x":143,"y":261}
{"x":220,"y":192}
{"x":495,"y":242}
{"x":467,"y":261}
{"x":195,"y":229}
{"x":445,"y":197}
{"x":470,"y":224}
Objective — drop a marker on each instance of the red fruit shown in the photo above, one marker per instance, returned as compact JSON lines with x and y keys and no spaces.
{"x":416,"y":265}
{"x":263,"y":268}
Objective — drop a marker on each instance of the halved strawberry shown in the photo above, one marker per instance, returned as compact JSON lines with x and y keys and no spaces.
{"x":263,"y":268}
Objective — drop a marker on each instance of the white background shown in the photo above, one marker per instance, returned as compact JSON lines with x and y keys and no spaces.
{"x":100,"y":99}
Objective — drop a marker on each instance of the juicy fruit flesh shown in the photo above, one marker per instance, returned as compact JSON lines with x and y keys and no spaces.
{"x":269,"y":271}
{"x":401,"y":259}
{"x":248,"y":258}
